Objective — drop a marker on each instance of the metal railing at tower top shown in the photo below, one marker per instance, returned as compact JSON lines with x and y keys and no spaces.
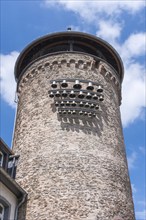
{"x":69,"y":42}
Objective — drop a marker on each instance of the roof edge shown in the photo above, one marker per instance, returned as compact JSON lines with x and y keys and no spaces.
{"x":67,"y":33}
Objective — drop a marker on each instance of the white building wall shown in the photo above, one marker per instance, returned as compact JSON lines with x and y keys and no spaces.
{"x":10,"y":197}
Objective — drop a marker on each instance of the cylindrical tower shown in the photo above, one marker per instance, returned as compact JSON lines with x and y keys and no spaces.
{"x":68,"y":130}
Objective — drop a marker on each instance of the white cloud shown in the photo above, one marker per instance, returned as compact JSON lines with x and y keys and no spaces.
{"x":131,"y":160}
{"x":133,"y":88}
{"x":141,"y":215}
{"x":90,"y":10}
{"x":133,"y":93}
{"x":134,"y":190}
{"x":8,"y":85}
{"x":134,"y":46}
{"x":109,"y":30}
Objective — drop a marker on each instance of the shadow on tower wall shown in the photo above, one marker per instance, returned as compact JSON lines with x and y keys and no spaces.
{"x":87,"y":125}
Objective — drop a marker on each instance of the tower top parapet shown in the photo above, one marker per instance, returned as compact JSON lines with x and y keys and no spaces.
{"x":70,"y":42}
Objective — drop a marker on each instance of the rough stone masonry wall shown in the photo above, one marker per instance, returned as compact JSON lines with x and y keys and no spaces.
{"x":73,"y":168}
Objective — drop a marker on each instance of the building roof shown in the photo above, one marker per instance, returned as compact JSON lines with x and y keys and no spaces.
{"x":5,"y":178}
{"x":4,"y":147}
{"x":11,"y":184}
{"x":68,"y":41}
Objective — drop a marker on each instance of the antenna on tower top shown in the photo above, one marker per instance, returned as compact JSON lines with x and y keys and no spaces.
{"x":69,"y":28}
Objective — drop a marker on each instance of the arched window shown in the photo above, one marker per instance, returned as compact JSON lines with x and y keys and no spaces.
{"x":1,"y":159}
{"x":1,"y":212}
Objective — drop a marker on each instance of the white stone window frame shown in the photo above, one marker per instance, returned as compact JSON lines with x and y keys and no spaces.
{"x":7,"y":208}
{"x":2,"y":213}
{"x":2,"y":158}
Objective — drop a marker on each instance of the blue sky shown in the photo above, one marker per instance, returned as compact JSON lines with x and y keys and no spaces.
{"x":122,"y":24}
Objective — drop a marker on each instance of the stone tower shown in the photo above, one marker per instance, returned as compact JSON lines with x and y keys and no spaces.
{"x":68,"y":130}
